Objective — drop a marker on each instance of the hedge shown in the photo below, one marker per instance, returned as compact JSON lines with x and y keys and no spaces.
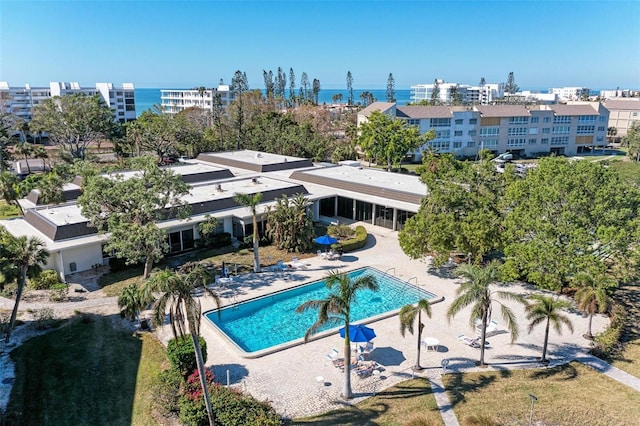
{"x":357,"y":242}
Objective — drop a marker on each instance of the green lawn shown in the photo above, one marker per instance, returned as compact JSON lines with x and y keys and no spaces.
{"x":629,"y":170}
{"x":629,"y":360}
{"x":408,"y":403}
{"x":572,"y":394}
{"x":89,"y":372}
{"x":8,"y":211}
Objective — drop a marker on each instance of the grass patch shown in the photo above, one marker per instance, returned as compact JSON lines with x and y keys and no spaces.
{"x":8,"y":211}
{"x":407,"y":403}
{"x":570,"y":394}
{"x":89,"y":372}
{"x":629,"y":170}
{"x":629,"y":360}
{"x":114,"y":282}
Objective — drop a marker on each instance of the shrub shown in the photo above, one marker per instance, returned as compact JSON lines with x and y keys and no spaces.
{"x":47,"y":279}
{"x":182,"y":355}
{"x":608,"y":342}
{"x":59,"y":292}
{"x":166,"y":392}
{"x":355,"y":243}
{"x":44,"y":318}
{"x":231,"y":408}
{"x":116,"y":264}
{"x":340,"y":231}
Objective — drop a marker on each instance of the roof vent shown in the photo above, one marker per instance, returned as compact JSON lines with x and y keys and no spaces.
{"x":218,"y":187}
{"x":255,"y":180}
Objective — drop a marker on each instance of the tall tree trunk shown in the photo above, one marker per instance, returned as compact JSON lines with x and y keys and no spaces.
{"x":589,"y":334}
{"x":203,"y":378}
{"x":483,"y":337}
{"x":546,"y":341}
{"x":14,"y":312}
{"x":148,"y":264}
{"x":256,"y":244}
{"x":346,"y":391}
{"x":418,"y":367}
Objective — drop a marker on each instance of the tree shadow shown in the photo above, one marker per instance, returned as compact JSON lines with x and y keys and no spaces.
{"x":560,"y":372}
{"x":444,"y":272}
{"x":460,"y":384}
{"x":237,"y":373}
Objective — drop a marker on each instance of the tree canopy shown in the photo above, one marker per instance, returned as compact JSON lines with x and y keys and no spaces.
{"x":74,"y":121}
{"x":388,"y":139}
{"x":128,"y":207}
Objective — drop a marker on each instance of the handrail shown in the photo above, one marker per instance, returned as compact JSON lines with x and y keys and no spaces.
{"x":387,"y":271}
{"x":413,"y":278}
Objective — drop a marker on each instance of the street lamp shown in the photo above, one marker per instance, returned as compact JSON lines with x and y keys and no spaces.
{"x":533,"y":401}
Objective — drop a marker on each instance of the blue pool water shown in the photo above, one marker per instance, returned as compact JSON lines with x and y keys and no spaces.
{"x":271,"y":320}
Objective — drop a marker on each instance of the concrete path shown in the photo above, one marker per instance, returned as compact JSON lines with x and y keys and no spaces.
{"x":442,"y":399}
{"x":611,"y":371}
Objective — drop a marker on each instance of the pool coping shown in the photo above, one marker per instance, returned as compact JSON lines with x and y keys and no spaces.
{"x":300,"y":341}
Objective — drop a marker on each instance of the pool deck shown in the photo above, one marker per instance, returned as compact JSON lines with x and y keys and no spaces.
{"x":288,"y":379}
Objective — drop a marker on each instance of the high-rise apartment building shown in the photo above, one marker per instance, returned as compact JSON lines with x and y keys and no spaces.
{"x":175,"y":100}
{"x":20,"y":100}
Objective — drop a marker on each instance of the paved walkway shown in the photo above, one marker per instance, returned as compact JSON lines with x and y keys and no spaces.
{"x":609,"y":370}
{"x":442,"y":399}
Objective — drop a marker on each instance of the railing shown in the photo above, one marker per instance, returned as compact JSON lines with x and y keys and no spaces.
{"x":387,"y":271}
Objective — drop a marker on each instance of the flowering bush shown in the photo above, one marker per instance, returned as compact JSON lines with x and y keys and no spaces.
{"x":192,"y":389}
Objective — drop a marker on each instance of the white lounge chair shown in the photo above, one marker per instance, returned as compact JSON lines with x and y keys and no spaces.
{"x":492,"y":326}
{"x":281,"y":266}
{"x":473,"y":342}
{"x":333,"y":355}
{"x":295,"y":262}
{"x":365,"y":349}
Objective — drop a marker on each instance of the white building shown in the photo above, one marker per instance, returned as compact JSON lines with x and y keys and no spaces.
{"x":624,"y":112}
{"x":175,"y":100}
{"x":524,"y":130}
{"x":467,"y":94}
{"x":570,"y":93}
{"x":336,"y":193}
{"x":20,"y":101}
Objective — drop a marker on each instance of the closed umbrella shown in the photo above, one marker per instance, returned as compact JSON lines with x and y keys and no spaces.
{"x":359,"y":333}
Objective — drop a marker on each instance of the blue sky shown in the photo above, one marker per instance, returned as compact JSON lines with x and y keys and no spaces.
{"x":191,"y":43}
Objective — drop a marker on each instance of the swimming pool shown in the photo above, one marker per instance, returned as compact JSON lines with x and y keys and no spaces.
{"x":270,"y":323}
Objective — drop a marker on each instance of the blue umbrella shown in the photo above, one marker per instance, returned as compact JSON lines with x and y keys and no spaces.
{"x":326,"y":240}
{"x":359,"y":333}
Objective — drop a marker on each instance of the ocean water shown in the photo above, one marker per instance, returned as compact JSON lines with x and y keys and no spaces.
{"x":272,"y":320}
{"x":146,"y":98}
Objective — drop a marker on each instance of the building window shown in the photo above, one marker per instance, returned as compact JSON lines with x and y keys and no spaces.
{"x":534,"y":120}
{"x":560,"y":140}
{"x":471,"y":144}
{"x":457,"y":133}
{"x":473,"y":121}
{"x":440,"y":145}
{"x":440,"y":122}
{"x":547,"y":120}
{"x":603,"y":118}
{"x":586,"y":129}
{"x":517,"y":131}
{"x":459,"y":121}
{"x":457,"y":144}
{"x":533,"y":130}
{"x":515,"y":142}
{"x":544,"y":141}
{"x":562,"y":119}
{"x":600,"y":128}
{"x":413,"y":122}
{"x":489,"y":131}
{"x":533,"y":141}
{"x":546,"y":130}
{"x":587,"y":119}
{"x":518,"y":120}
{"x":561,"y":130}
{"x":600,"y":139}
{"x":490,"y":143}
{"x":471,"y":132}
{"x":442,"y":134}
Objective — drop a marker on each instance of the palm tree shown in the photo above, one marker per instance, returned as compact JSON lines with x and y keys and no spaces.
{"x":407,"y":318}
{"x":475,"y":292}
{"x":547,"y":309}
{"x":592,"y":296}
{"x":8,"y":192}
{"x":177,"y":295}
{"x":131,"y":301}
{"x":24,"y":149}
{"x":29,"y":255}
{"x":251,"y":202}
{"x":336,"y":309}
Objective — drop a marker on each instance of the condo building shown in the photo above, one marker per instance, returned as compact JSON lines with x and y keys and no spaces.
{"x":467,"y":94}
{"x":174,"y":101}
{"x":524,"y":130}
{"x":571,"y":93}
{"x":623,"y":114}
{"x":21,"y":100}
{"x":336,"y":193}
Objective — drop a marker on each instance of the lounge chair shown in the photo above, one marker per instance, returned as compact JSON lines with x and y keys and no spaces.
{"x":281,"y":266}
{"x":320,"y":253}
{"x":295,"y":262}
{"x":365,"y":369}
{"x":473,"y":342}
{"x":365,"y":349}
{"x":492,"y":326}
{"x":333,"y":355}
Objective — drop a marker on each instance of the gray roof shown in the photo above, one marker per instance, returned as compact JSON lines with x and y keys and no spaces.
{"x":561,"y":109}
{"x":503,"y":111}
{"x":416,"y":111}
{"x":625,"y":104}
{"x":377,"y":106}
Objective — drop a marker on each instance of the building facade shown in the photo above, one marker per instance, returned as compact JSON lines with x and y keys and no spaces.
{"x":623,"y":113}
{"x":466,"y":93}
{"x":20,"y":101}
{"x":524,"y":130}
{"x":174,"y":101}
{"x":571,"y":93}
